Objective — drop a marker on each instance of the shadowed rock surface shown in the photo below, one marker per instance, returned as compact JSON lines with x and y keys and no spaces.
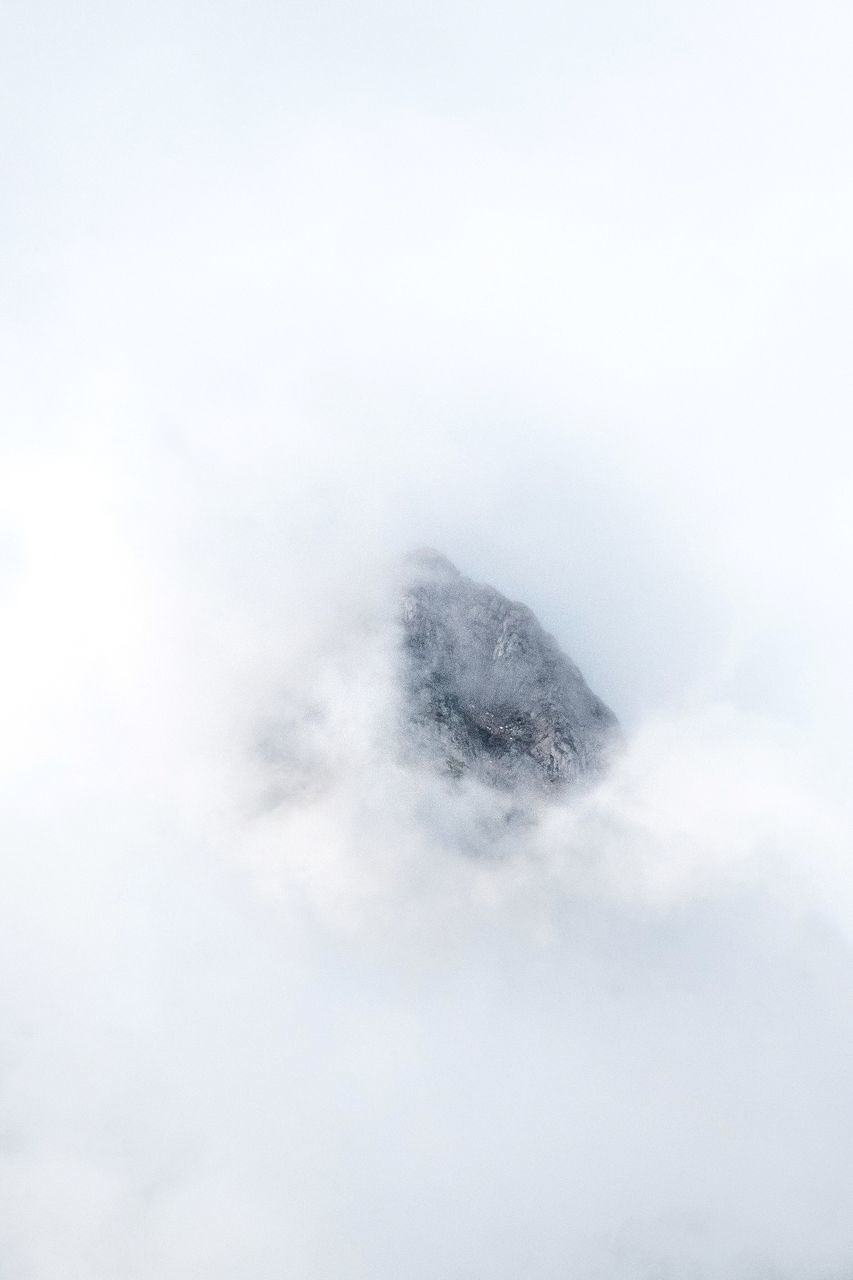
{"x":488,"y":692}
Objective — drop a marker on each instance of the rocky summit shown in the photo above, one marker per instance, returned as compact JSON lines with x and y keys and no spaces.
{"x":488,"y":693}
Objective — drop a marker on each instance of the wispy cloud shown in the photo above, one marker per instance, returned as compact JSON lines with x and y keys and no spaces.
{"x":286,"y":293}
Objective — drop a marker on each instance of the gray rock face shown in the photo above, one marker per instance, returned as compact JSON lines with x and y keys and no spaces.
{"x":489,"y":693}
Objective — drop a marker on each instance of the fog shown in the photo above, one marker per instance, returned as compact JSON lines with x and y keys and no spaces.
{"x":287,"y":291}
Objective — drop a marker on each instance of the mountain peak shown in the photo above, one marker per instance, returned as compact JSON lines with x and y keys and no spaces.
{"x":488,"y":692}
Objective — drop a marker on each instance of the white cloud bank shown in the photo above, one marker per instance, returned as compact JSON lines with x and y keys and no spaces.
{"x":286,"y":292}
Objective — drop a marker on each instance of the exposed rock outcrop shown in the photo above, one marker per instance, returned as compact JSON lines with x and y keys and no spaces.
{"x":488,"y":692}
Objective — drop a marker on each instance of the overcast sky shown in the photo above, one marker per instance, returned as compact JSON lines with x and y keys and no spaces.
{"x":285,"y":290}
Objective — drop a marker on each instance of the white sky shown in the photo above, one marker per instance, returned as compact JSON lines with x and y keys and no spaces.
{"x":563,"y":288}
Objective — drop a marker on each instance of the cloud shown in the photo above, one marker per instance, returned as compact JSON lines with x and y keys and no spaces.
{"x":287,"y":293}
{"x":287,"y":1004}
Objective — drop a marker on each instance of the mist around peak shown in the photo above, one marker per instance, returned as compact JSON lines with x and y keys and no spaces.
{"x":327,"y":958}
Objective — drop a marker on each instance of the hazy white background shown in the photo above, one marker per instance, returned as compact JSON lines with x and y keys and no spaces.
{"x":565,"y":291}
